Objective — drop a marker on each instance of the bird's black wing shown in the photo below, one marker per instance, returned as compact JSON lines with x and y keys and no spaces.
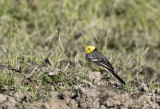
{"x":100,"y":60}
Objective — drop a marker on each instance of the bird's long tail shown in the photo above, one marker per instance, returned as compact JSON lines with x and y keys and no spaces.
{"x":115,"y":75}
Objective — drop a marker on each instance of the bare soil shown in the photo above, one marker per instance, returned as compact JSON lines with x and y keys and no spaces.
{"x":96,"y":95}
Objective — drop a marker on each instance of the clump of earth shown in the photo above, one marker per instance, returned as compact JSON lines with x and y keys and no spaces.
{"x":89,"y":95}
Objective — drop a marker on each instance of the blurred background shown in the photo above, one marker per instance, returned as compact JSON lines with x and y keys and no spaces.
{"x":127,"y":32}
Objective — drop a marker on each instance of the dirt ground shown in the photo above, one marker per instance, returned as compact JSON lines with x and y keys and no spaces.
{"x":90,"y":95}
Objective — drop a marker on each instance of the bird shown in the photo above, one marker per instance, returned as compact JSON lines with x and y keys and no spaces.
{"x":98,"y":62}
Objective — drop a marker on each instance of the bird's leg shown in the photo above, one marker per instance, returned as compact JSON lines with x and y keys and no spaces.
{"x":106,"y":76}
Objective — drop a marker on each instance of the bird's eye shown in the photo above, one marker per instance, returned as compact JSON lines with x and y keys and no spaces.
{"x":88,"y":48}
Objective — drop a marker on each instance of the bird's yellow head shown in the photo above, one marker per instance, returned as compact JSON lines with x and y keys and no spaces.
{"x":89,"y":49}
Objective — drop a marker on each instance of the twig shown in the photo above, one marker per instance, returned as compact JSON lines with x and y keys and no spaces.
{"x":16,"y":70}
{"x":5,"y":55}
{"x":49,"y":54}
{"x":47,"y":60}
{"x":59,"y":38}
{"x":34,"y":71}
